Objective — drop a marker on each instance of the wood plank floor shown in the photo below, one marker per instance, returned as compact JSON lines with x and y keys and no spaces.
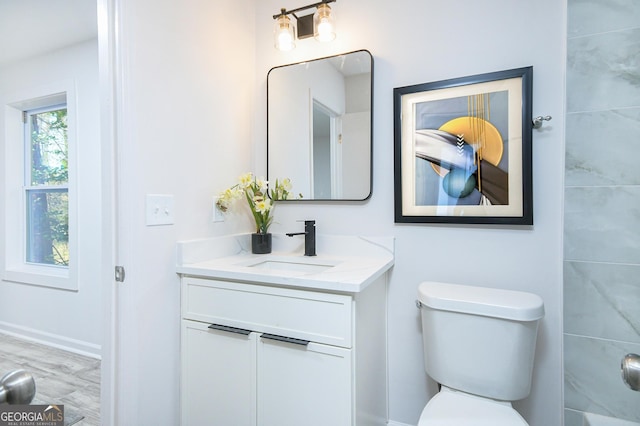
{"x":61,"y":377}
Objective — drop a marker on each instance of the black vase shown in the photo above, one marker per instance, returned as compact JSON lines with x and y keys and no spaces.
{"x":260,"y":243}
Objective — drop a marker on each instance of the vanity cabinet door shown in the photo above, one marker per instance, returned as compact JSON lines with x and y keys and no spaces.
{"x":218,"y":376}
{"x":303,"y":385}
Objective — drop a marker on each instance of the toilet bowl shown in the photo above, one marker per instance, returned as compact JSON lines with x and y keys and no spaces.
{"x":479,"y":345}
{"x":453,"y":408}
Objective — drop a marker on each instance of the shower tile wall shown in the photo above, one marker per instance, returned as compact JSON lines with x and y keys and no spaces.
{"x":602,"y":207}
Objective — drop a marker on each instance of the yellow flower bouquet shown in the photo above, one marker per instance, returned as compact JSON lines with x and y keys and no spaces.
{"x":259,"y":197}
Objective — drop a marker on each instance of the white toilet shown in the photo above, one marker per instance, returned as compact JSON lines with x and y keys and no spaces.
{"x":479,"y":345}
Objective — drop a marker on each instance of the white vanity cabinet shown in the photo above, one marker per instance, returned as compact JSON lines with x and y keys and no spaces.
{"x":267,"y":355}
{"x":303,"y":384}
{"x":218,"y":376}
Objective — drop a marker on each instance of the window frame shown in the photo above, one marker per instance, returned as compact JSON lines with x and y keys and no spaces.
{"x":29,"y":187}
{"x":15,"y":268}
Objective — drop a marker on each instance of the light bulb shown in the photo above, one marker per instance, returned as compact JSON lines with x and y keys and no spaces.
{"x":285,"y":41}
{"x":284,"y":29}
{"x":323,"y":24}
{"x":325,"y":31}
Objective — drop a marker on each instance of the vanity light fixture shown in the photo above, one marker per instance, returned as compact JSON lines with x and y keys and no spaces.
{"x":320,"y":24}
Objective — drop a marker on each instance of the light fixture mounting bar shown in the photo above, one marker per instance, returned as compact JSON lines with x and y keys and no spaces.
{"x":293,"y":11}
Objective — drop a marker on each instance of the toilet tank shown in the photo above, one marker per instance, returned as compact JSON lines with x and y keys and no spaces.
{"x":480,"y":340}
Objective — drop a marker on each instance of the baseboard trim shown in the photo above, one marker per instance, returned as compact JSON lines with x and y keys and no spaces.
{"x":61,"y":342}
{"x":392,"y":423}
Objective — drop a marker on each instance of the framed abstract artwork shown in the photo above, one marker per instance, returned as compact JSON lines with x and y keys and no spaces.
{"x":463,"y":150}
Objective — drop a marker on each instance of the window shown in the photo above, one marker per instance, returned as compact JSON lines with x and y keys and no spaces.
{"x":40,"y":186}
{"x":46,"y":186}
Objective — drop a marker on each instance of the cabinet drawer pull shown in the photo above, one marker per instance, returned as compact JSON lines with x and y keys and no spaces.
{"x":230,"y":329}
{"x":285,"y":339}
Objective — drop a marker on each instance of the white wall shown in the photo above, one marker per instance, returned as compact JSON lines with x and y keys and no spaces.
{"x":194,"y":117}
{"x":67,"y":318}
{"x":414,"y":41}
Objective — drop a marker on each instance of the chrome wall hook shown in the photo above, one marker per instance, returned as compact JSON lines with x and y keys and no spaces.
{"x":537,"y":122}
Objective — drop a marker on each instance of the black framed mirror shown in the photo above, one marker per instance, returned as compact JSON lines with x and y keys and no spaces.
{"x":319,"y":126}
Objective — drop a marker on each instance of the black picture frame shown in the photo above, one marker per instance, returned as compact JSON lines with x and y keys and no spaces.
{"x":463,"y":150}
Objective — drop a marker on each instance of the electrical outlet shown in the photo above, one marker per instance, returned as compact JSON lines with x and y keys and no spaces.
{"x":217,"y":216}
{"x":159,"y":210}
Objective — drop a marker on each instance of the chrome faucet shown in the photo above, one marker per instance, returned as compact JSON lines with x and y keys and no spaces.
{"x":309,"y":237}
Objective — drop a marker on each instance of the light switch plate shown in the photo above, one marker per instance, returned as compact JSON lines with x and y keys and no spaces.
{"x":160,"y":209}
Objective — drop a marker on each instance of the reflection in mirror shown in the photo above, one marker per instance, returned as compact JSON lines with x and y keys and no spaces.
{"x":319,"y":126}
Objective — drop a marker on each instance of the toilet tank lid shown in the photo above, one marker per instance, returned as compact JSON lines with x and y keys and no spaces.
{"x":491,"y":302}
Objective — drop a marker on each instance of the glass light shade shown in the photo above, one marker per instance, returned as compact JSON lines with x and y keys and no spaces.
{"x":324,"y":26}
{"x":284,"y":33}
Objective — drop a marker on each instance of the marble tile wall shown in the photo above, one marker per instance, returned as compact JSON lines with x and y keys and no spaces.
{"x":602,"y":208}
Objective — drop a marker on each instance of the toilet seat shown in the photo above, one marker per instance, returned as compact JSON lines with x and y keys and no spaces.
{"x":453,"y":408}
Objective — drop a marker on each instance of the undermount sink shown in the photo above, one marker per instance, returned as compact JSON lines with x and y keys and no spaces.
{"x":282,"y":265}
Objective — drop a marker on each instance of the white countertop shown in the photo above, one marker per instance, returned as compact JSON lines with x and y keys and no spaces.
{"x":352,"y":263}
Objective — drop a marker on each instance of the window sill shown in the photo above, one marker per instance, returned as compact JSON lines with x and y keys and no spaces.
{"x":43,"y":276}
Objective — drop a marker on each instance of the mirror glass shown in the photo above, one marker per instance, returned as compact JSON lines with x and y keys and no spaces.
{"x":319,"y":126}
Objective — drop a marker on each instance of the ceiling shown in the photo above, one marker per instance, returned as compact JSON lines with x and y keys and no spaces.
{"x":33,"y":27}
